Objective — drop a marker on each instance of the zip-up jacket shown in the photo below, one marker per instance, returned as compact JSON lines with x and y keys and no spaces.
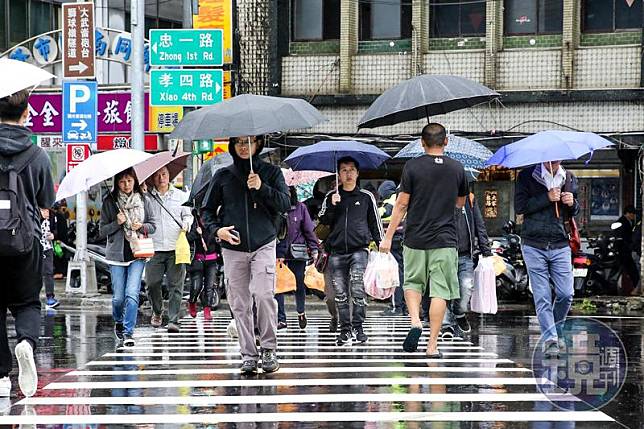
{"x":253,"y":213}
{"x":354,"y":221}
{"x":472,"y":235}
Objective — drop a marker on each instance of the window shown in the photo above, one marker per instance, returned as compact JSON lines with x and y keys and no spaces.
{"x":533,"y":17}
{"x":453,"y":20}
{"x":40,"y":18}
{"x":3,"y":30}
{"x":18,"y":26}
{"x":315,"y":20}
{"x":612,"y":15}
{"x":385,"y":20}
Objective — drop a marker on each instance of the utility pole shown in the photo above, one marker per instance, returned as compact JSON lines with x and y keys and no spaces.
{"x":187,"y":145}
{"x":137,"y":14}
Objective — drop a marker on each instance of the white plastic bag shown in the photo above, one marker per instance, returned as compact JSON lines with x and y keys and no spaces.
{"x":381,"y":276}
{"x":484,"y":294}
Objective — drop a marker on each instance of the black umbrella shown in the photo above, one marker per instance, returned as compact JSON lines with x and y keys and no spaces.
{"x":424,"y":96}
{"x":206,"y":173}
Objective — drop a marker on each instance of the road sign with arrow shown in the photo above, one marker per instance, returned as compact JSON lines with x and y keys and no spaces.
{"x":79,"y":112}
{"x":78,"y":40}
{"x":201,"y":87}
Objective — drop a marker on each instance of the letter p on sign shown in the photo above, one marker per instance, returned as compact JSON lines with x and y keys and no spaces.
{"x":79,"y":94}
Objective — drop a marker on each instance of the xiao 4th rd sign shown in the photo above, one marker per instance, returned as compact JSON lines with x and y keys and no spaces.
{"x":186,"y":87}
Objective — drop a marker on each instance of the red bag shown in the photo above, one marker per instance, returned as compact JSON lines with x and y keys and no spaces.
{"x":574,"y":239}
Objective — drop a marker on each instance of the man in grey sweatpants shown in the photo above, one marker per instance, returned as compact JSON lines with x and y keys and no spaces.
{"x":242,"y":207}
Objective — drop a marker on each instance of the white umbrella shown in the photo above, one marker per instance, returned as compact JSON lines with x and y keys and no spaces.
{"x":18,"y":75}
{"x":98,"y":168}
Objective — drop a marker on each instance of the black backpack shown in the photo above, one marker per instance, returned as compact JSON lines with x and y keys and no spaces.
{"x":16,"y":222}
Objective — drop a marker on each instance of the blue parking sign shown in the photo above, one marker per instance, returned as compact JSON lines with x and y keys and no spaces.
{"x":79,"y":112}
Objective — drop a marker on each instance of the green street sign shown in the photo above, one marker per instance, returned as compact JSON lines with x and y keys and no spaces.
{"x":186,"y":47}
{"x":186,"y":87}
{"x":203,"y":146}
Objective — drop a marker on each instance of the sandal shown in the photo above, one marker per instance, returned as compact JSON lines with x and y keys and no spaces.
{"x":411,"y":341}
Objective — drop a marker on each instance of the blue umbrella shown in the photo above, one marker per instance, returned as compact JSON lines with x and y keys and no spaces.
{"x":468,"y":152}
{"x":323,"y":156}
{"x":547,"y":146}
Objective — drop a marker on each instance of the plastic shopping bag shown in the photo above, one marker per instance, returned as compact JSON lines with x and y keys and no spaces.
{"x":378,"y":281}
{"x":182,"y":250}
{"x":313,"y":279}
{"x":285,"y":279}
{"x":484,"y":294}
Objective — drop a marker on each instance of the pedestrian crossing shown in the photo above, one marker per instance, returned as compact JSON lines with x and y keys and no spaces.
{"x":193,"y":378}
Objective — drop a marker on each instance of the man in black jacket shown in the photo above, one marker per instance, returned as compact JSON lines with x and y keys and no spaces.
{"x":352,"y":214}
{"x":472,"y":240}
{"x":242,"y":209}
{"x":625,"y":246}
{"x":22,"y":273}
{"x":545,"y":196}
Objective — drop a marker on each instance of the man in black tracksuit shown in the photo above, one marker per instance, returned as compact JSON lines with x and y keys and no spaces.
{"x":352,"y":214}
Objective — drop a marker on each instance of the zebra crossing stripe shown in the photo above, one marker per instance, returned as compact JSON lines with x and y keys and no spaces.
{"x":297,"y":353}
{"x":192,"y":362}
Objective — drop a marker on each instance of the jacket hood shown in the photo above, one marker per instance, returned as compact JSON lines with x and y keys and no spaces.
{"x":243,"y":165}
{"x":386,"y":189}
{"x":14,"y":139}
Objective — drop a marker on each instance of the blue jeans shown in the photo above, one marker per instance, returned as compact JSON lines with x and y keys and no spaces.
{"x":545,"y":267}
{"x":126,"y":283}
{"x":457,"y":308}
{"x":298,"y":268}
{"x":347,"y":272}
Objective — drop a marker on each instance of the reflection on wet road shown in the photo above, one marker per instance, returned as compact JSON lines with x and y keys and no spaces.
{"x":192,"y":378}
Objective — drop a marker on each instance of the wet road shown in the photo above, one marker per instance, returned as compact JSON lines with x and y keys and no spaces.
{"x":192,"y":379}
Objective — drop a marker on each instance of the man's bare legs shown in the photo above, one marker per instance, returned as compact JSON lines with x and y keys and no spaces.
{"x":436,"y":313}
{"x":413,"y":300}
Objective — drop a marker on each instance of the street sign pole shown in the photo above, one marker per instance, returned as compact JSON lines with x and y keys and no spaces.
{"x":187,"y":145}
{"x":137,"y":13}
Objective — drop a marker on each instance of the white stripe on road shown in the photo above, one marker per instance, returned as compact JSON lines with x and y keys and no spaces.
{"x":301,"y":370}
{"x":478,"y":416}
{"x":172,"y":346}
{"x":292,"y":361}
{"x":298,"y":399}
{"x":403,"y":381}
{"x":336,"y":352}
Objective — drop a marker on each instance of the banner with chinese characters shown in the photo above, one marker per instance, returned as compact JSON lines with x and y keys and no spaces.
{"x":217,"y":14}
{"x":114,"y":114}
{"x":124,"y":141}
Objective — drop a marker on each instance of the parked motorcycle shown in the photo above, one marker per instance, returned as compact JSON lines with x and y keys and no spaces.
{"x":603,"y":268}
{"x":512,"y":283}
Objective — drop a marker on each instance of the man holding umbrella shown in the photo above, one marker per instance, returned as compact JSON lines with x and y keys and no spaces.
{"x":243,"y":207}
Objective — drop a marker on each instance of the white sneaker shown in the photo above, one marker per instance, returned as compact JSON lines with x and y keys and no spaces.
{"x":232,"y":329}
{"x":27,"y":375}
{"x":5,"y":387}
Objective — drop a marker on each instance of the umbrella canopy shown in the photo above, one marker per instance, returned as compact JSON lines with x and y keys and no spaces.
{"x":247,"y":115}
{"x":97,"y":168}
{"x":547,"y":146}
{"x":176,"y":163}
{"x":424,"y":96}
{"x":323,"y":156}
{"x":295,"y":178}
{"x":19,"y":75}
{"x":208,"y":170}
{"x":470,"y":153}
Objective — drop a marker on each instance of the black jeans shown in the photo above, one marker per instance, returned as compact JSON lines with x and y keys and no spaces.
{"x":398,"y":298}
{"x":48,"y":272}
{"x":347,"y":272}
{"x":203,"y":280}
{"x":21,"y":284}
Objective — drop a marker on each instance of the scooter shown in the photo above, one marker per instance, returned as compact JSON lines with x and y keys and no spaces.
{"x":512,"y":282}
{"x":604,"y":267}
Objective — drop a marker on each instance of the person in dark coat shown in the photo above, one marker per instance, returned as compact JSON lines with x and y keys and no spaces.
{"x":300,"y":245}
{"x":625,"y":245}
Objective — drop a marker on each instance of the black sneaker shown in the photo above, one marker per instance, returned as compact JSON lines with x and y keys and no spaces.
{"x":269,"y":361}
{"x":390,"y":312}
{"x":551,"y":349}
{"x":118,"y":331}
{"x":128,"y":341}
{"x":281,"y":325}
{"x":333,"y":325}
{"x":447,"y":333}
{"x":173,"y":328}
{"x":249,"y":367}
{"x":360,"y":336}
{"x":343,"y":338}
{"x":463,"y":324}
{"x":301,"y":320}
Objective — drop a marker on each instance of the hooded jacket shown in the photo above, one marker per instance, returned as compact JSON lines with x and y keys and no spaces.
{"x":470,"y":227}
{"x":354,"y":221}
{"x":253,"y":213}
{"x":36,"y":177}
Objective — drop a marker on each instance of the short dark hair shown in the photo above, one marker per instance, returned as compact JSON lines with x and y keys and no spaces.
{"x":292,"y":190}
{"x":13,"y":106}
{"x":346,"y":160}
{"x":630,"y":209}
{"x":434,"y":134}
{"x":127,"y":172}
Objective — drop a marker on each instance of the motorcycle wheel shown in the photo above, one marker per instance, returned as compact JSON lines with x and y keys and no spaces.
{"x":216,"y":299}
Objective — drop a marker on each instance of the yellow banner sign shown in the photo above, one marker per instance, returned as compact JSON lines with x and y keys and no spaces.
{"x":217,"y":14}
{"x":164,"y":119}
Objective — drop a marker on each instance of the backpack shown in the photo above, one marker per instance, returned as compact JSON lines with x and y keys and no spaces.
{"x":16,"y":222}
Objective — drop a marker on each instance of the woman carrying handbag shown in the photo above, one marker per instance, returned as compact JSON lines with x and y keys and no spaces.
{"x":294,"y":250}
{"x":126,"y":220}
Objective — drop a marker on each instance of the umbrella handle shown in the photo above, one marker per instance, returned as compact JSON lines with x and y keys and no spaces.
{"x":250,"y":152}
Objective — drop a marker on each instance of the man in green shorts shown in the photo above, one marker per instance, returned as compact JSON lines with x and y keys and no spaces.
{"x":430,"y":187}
